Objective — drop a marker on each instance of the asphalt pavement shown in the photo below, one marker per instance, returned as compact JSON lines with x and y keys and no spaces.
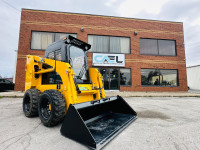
{"x":163,"y":123}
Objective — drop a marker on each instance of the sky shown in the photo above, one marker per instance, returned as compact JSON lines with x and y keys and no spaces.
{"x":186,"y":11}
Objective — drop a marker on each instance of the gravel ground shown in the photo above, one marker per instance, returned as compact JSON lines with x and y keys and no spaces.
{"x":163,"y":123}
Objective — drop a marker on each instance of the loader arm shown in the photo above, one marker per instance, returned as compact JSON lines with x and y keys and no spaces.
{"x":97,"y":83}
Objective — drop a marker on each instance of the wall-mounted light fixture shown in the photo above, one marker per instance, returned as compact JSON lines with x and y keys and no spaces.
{"x":135,"y":33}
{"x":82,"y":29}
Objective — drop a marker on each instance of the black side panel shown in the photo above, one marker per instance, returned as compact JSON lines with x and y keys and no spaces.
{"x":74,"y":128}
{"x":117,"y":106}
{"x":121,"y":106}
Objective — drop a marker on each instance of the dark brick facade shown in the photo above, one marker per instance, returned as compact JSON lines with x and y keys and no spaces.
{"x":35,"y":20}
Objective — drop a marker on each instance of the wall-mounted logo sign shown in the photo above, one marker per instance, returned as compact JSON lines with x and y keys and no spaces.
{"x":117,"y":60}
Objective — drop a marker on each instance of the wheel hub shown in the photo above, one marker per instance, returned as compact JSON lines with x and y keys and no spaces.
{"x":46,"y":109}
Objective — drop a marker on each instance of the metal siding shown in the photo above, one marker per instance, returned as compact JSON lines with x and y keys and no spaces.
{"x":193,"y":77}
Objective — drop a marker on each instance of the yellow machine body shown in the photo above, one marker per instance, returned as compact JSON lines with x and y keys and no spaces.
{"x":88,"y":92}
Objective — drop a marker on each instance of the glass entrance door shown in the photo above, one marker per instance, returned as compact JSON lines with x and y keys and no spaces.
{"x":105,"y":74}
{"x":114,"y":80}
{"x":111,"y":78}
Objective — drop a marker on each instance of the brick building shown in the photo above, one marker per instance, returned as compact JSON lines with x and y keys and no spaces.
{"x":132,"y":54}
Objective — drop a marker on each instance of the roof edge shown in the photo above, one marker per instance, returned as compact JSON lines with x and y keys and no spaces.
{"x":193,"y":66}
{"x":95,"y":15}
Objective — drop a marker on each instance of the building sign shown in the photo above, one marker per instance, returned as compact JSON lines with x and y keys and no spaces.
{"x":100,"y":59}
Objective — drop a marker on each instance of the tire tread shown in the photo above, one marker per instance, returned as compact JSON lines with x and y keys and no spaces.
{"x":34,"y":93}
{"x":59,"y":104}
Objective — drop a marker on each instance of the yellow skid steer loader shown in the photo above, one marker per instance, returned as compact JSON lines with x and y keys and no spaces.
{"x":61,"y":88}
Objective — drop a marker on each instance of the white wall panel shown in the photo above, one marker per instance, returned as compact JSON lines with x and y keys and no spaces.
{"x":193,"y":77}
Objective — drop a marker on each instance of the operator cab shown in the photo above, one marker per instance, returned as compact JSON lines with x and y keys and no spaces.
{"x":74,"y":52}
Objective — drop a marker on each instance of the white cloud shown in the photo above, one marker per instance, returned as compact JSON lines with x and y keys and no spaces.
{"x":196,"y":22}
{"x":129,"y":8}
{"x":110,"y":2}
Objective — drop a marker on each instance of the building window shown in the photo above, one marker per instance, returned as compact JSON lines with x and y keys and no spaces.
{"x":109,"y":44}
{"x":40,"y":40}
{"x":158,"y":47}
{"x":159,"y":77}
{"x":125,"y":77}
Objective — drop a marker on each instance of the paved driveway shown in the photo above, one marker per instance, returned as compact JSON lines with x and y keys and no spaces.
{"x":163,"y":123}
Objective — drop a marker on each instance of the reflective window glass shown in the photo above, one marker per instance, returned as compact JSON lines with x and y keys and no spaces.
{"x":157,"y":47}
{"x":109,"y":44}
{"x":159,"y":77}
{"x":40,"y":40}
{"x":125,"y":76}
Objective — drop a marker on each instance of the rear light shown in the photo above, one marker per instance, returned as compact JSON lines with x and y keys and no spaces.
{"x":25,"y":67}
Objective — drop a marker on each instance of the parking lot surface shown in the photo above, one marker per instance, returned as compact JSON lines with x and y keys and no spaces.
{"x":163,"y":123}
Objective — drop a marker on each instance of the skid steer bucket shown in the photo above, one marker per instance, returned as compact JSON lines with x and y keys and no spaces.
{"x":95,"y":123}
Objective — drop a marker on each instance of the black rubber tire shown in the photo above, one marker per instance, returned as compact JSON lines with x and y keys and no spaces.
{"x":58,"y":106}
{"x":30,"y":102}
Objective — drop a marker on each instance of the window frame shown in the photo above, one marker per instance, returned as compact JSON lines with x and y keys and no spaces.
{"x":158,"y":47}
{"x":54,"y":33}
{"x":177,"y":78}
{"x":109,"y":43}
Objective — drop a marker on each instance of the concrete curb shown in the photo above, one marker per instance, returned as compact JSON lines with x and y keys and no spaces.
{"x":157,"y":96}
{"x":20,"y":94}
{"x":153,"y":94}
{"x":12,"y":94}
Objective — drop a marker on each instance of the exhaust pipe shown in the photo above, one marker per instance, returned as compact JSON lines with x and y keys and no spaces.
{"x":96,"y":123}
